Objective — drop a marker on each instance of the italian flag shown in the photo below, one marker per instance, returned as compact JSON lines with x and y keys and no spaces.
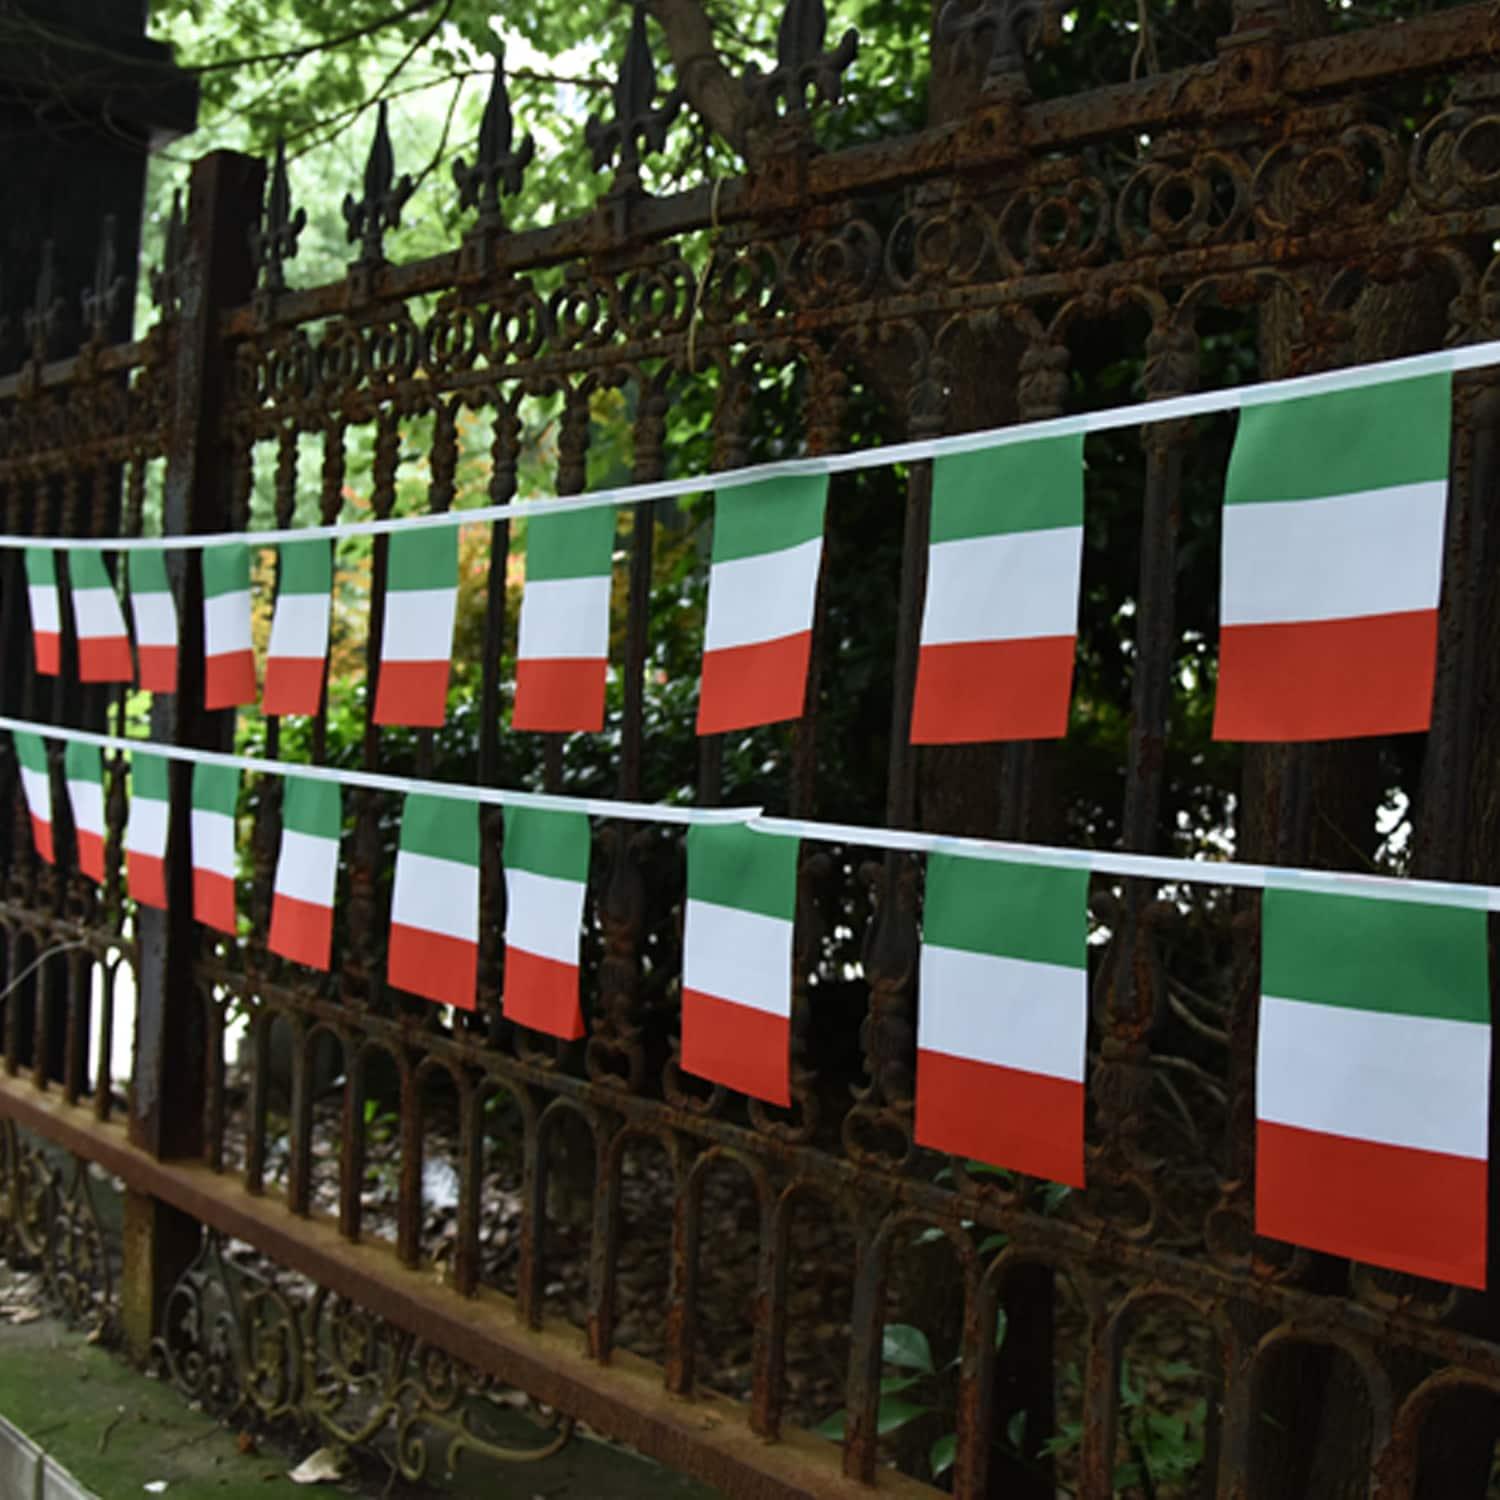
{"x":416,"y":640}
{"x":46,"y":615}
{"x":83,"y":771}
{"x":564,"y":635}
{"x":229,"y":661}
{"x":36,"y":783}
{"x":762,"y":586}
{"x":155,"y":616}
{"x":216,"y":795}
{"x":307,"y":872}
{"x":298,"y":652}
{"x":1000,"y":620}
{"x":434,"y":948}
{"x":737,"y":959}
{"x":103,"y":643}
{"x":1372,"y":1082}
{"x":1334,"y":509}
{"x":546,"y":875}
{"x":146,"y":829}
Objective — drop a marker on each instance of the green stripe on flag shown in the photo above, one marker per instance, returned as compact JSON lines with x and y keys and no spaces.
{"x":732,"y":865}
{"x":306,"y":567}
{"x":1032,"y":912}
{"x":576,"y":544}
{"x":148,"y":776}
{"x":543,"y":842}
{"x":1020,"y":487}
{"x":1368,"y":438}
{"x":426,"y":559}
{"x":86,"y":570}
{"x":148,"y":572}
{"x":216,"y":789}
{"x":313,"y":808}
{"x":1398,"y":957}
{"x":441,"y":828}
{"x":226,"y":570}
{"x":41,"y":567}
{"x":83,"y":763}
{"x":768,"y":516}
{"x":31,"y":751}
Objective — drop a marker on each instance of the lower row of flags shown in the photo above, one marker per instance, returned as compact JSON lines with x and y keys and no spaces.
{"x":1373,"y":1062}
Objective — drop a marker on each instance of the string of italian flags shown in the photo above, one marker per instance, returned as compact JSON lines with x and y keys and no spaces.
{"x":1335,"y":506}
{"x":1374,"y":1040}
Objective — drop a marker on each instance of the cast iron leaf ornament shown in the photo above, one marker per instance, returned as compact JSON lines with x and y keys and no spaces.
{"x":273,"y":241}
{"x":379,"y":210}
{"x":801,"y":64}
{"x":636,"y":119}
{"x":499,"y":165}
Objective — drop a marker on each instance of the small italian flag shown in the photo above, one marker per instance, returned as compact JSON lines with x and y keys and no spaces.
{"x":434,"y":948}
{"x":737,"y":959}
{"x":146,"y":829}
{"x":1334,"y":508}
{"x":155,"y":616}
{"x":298,"y":651}
{"x":1000,"y":621}
{"x":416,"y":639}
{"x":762,"y":587}
{"x":216,"y":796}
{"x":307,"y":872}
{"x":36,"y":783}
{"x":46,"y":614}
{"x":564,"y":636}
{"x":1372,"y":1082}
{"x":103,"y":643}
{"x":83,"y":771}
{"x":229,"y":660}
{"x":1002,"y":1015}
{"x":546,"y":875}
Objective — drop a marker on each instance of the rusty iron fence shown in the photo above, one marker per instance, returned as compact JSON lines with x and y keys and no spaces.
{"x":700,"y":1274}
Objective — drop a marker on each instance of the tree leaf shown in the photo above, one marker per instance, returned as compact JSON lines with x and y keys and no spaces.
{"x":893,"y":1415}
{"x":903,"y":1345}
{"x":831,"y":1428}
{"x":1002,"y":1326}
{"x":894,"y":1383}
{"x":944,"y":1451}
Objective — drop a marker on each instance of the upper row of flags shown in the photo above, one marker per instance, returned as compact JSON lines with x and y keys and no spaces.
{"x":1332,"y":563}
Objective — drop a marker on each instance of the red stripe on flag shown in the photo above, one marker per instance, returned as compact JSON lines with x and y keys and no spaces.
{"x":413,"y":693}
{"x":1327,"y":679}
{"x":748,"y":685}
{"x":978,"y":691}
{"x":1026,"y":1122}
{"x":444,"y":969}
{"x":559,"y":695}
{"x":48,"y":652}
{"x":146,"y":878}
{"x":229,"y":679}
{"x":737,"y":1045}
{"x":104,"y":658}
{"x":91,"y":855}
{"x":294,"y":685}
{"x":301,"y":931}
{"x":1423,"y":1212}
{"x":213,"y":900}
{"x":41,"y":836}
{"x":543,"y":994}
{"x":158,"y":668}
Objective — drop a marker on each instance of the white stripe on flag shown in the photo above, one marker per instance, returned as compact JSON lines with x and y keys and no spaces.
{"x":1007,"y":1012}
{"x":146,"y":828}
{"x":418,"y":625}
{"x":45,"y":619}
{"x":565,"y":618}
{"x":213,"y":841}
{"x":299,"y":626}
{"x":1415,"y":1081}
{"x":226,"y":624}
{"x":738,"y":955}
{"x":38,"y":789}
{"x":87,"y":798}
{"x":436,"y":895}
{"x":155,"y":619}
{"x":307,"y":868}
{"x":543,"y":915}
{"x":1375,"y":553}
{"x":1017,"y":586}
{"x":762,"y":598}
{"x":97,"y":613}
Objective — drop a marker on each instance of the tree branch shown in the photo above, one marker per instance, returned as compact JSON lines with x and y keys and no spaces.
{"x":711,"y":89}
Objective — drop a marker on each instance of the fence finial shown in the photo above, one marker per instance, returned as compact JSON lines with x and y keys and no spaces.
{"x":993,"y":37}
{"x":801,"y":64}
{"x":166,"y":287}
{"x":101,"y":300}
{"x":46,"y":308}
{"x":273,"y":241}
{"x":636,"y":119}
{"x":499,"y":165}
{"x":379,"y":210}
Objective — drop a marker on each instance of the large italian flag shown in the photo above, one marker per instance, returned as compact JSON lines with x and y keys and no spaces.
{"x":46,"y":613}
{"x":306,"y":872}
{"x":1372,"y":1082}
{"x":229,"y":660}
{"x":434,"y":949}
{"x":1000,"y":621}
{"x":737,"y":959}
{"x":36,"y":784}
{"x":546,"y":876}
{"x":762,"y":589}
{"x":83,"y":771}
{"x":416,"y":639}
{"x":1002,"y":1015}
{"x":155,"y":615}
{"x":1333,"y":562}
{"x":146,"y":829}
{"x":216,"y":796}
{"x":563,"y":651}
{"x":298,"y":654}
{"x":103,"y":642}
